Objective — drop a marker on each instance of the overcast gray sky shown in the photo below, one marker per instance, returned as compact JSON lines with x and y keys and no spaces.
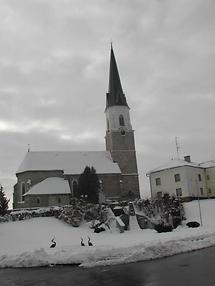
{"x":54,"y":63}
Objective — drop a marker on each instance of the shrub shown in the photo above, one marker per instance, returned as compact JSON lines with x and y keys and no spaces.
{"x":193,"y":224}
{"x":161,"y":227}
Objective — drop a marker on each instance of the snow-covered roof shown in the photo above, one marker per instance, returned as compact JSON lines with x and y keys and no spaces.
{"x":50,"y":186}
{"x":207,"y":164}
{"x":71,"y":162}
{"x":175,"y":163}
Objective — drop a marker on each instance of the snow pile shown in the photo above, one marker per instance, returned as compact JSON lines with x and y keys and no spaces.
{"x":26,"y":243}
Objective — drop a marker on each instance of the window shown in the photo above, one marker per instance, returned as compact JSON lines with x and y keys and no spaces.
{"x":123,"y":132}
{"x":209,"y":191}
{"x":200,"y":178}
{"x":201,"y":191}
{"x":177,"y":178}
{"x":38,"y":201}
{"x":159,"y":195}
{"x":178,"y":192}
{"x":158,"y":181}
{"x":59,"y":200}
{"x":23,"y":191}
{"x":208,"y":177}
{"x":121,"y":121}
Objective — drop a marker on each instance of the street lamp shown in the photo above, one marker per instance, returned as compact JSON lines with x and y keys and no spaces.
{"x":200,"y":212}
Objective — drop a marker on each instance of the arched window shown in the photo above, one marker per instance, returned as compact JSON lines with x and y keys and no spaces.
{"x":38,"y":201}
{"x":23,"y":191}
{"x":75,"y":189}
{"x":121,"y":120}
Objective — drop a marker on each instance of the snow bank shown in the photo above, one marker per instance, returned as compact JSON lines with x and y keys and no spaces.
{"x":26,"y":243}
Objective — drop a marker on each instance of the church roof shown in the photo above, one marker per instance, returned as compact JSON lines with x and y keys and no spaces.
{"x":50,"y":186}
{"x":115,"y":95}
{"x":71,"y":162}
{"x":175,"y":163}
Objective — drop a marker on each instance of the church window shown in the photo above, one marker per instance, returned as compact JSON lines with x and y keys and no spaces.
{"x":23,"y":190}
{"x":121,"y":120}
{"x":38,"y":201}
{"x":201,"y":191}
{"x":200,"y":178}
{"x":75,"y":189}
{"x":59,"y":200}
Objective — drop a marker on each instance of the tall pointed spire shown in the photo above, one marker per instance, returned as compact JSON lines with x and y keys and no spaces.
{"x":115,"y":95}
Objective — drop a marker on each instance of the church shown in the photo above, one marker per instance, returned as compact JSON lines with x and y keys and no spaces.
{"x":50,"y":178}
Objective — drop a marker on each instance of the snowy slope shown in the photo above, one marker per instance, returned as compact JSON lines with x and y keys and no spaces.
{"x":26,"y":243}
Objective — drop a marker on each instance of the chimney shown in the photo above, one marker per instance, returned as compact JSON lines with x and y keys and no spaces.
{"x":187,"y":158}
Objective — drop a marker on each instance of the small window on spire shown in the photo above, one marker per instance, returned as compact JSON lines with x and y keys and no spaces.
{"x":121,"y":120}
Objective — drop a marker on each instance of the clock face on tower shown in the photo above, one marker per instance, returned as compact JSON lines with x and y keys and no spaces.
{"x":122,"y":132}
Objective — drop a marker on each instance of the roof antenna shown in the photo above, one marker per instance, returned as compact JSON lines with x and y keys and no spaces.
{"x":28,"y":147}
{"x":177,"y":147}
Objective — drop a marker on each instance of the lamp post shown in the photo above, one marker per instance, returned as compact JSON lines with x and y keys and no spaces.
{"x":179,"y":194}
{"x":200,"y":212}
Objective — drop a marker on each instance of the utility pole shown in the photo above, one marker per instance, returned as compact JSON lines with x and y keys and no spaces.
{"x":198,"y":194}
{"x":177,"y":147}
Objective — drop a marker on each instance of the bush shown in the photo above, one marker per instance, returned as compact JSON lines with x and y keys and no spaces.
{"x":193,"y":224}
{"x":3,"y":202}
{"x":161,"y":227}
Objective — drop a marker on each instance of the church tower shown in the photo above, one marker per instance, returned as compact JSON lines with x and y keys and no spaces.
{"x":119,"y":133}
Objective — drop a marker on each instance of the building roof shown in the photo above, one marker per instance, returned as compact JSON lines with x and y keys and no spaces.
{"x":208,"y":164}
{"x":115,"y":95}
{"x":175,"y":163}
{"x":70,"y":162}
{"x":50,"y":186}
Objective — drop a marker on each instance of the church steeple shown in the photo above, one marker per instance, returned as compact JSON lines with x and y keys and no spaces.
{"x":119,"y":133}
{"x":115,"y":95}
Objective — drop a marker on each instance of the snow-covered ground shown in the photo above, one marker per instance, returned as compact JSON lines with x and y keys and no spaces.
{"x":27,"y":243}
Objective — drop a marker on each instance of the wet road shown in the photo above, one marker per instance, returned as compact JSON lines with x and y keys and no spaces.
{"x":196,"y":268}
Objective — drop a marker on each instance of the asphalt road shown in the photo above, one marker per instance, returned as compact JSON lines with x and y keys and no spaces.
{"x":195,"y":268}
